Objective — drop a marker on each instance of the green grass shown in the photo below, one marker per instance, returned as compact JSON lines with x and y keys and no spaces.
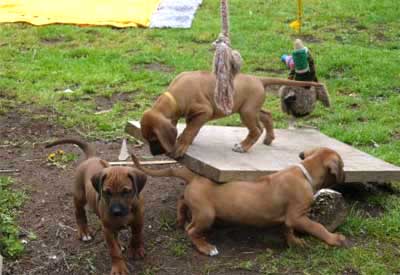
{"x":357,"y":53}
{"x":375,"y":247}
{"x":355,"y":57}
{"x":178,"y":246}
{"x":10,"y":201}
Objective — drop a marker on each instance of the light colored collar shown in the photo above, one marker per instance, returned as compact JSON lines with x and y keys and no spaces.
{"x":172,"y":100}
{"x":305,"y":173}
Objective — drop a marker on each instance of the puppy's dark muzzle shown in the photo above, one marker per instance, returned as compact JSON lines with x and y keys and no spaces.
{"x":118,"y":210}
{"x":156,"y":148}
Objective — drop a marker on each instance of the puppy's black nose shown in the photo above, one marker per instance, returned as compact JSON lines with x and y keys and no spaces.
{"x":116,"y":210}
{"x":301,"y":155}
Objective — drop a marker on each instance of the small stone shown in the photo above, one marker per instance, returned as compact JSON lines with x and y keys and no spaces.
{"x":164,"y":198}
{"x":68,"y":91}
{"x":329,"y":209}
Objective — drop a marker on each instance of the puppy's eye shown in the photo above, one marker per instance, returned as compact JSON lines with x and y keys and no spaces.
{"x":126,"y":191}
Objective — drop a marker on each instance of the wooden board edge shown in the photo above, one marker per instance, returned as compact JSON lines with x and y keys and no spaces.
{"x":135,"y":132}
{"x":201,"y":168}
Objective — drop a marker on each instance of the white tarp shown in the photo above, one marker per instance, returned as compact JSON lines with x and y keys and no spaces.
{"x":174,"y":14}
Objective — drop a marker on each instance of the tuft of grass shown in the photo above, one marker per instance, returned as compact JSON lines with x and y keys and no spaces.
{"x":167,"y":221}
{"x":178,"y":247}
{"x":60,"y":159}
{"x":245,"y":265}
{"x":10,"y":201}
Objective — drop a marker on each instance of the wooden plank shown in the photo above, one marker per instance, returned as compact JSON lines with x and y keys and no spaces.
{"x":9,"y":171}
{"x":144,"y":162}
{"x":211,"y":154}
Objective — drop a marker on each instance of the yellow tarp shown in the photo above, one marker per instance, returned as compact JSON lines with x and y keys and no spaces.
{"x":119,"y":13}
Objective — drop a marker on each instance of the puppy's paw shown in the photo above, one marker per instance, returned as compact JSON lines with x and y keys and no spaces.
{"x":268,"y":139}
{"x":84,"y":235}
{"x":119,"y":268}
{"x":214,"y":252}
{"x":209,"y":250}
{"x":86,"y":238}
{"x":137,"y":252}
{"x":338,"y":240}
{"x":238,"y":148}
{"x":294,"y":241}
{"x":179,"y":151}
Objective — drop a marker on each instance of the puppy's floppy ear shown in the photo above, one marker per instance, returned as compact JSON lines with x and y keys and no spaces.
{"x":166,"y":133}
{"x":323,"y":95}
{"x":308,"y":152}
{"x":335,"y":167}
{"x":97,"y":181}
{"x":138,"y":179}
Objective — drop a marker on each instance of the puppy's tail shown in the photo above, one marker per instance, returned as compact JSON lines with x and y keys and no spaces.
{"x":87,"y":148}
{"x":267,"y":81}
{"x":182,"y":172}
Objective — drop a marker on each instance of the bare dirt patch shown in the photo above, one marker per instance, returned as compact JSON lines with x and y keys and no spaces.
{"x":269,"y":70}
{"x":357,"y":194}
{"x":154,"y":67}
{"x":52,"y":40}
{"x":396,"y":134}
{"x":48,"y":213}
{"x":308,"y":38}
{"x":350,"y":271}
{"x":354,"y":106}
{"x":105,"y":103}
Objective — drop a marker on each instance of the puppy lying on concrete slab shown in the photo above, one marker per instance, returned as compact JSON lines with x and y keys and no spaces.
{"x":191,"y":95}
{"x":113,"y":193}
{"x":284,"y":197}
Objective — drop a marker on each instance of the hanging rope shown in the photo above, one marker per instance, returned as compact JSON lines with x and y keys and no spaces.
{"x":226,"y":64}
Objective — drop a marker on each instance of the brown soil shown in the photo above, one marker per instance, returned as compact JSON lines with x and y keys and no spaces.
{"x":52,"y":40}
{"x":48,"y":213}
{"x":105,"y":103}
{"x":396,"y":134}
{"x":154,"y":67}
{"x":270,"y":70}
{"x":308,"y":38}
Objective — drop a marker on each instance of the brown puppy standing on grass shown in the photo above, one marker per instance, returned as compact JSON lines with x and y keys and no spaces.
{"x":113,"y":193}
{"x":191,"y":95}
{"x":284,"y":197}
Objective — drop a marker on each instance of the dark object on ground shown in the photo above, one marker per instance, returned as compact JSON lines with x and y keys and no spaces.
{"x":329,"y":209}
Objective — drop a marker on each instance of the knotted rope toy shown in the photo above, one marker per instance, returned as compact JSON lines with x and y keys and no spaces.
{"x":226,"y":65}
